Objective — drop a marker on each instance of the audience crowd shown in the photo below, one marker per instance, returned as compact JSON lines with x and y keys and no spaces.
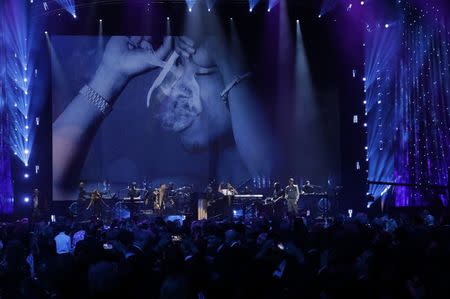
{"x":380,"y":258}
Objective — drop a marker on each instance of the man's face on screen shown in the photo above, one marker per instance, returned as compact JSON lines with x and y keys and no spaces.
{"x":193,"y":108}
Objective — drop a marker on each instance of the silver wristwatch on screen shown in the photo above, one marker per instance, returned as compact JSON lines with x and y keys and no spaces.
{"x":100,"y":102}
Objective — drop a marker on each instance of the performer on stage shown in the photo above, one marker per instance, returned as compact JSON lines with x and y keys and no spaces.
{"x":292,"y":195}
{"x":149,"y":196}
{"x":133,"y":191}
{"x":247,"y":190}
{"x":81,"y":201}
{"x":274,"y":204}
{"x":161,"y":195}
{"x":36,"y":213}
{"x":278,"y":192}
{"x":307,"y":188}
{"x":96,"y":204}
{"x":278,"y":202}
{"x":81,"y":192}
{"x":134,"y":194}
{"x":204,"y":199}
{"x":228,"y":193}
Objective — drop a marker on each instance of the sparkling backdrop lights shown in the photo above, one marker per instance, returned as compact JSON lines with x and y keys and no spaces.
{"x":407,"y":94}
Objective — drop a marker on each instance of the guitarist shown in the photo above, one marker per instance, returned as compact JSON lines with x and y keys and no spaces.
{"x":278,"y":192}
{"x":277,"y":201}
{"x":228,"y":193}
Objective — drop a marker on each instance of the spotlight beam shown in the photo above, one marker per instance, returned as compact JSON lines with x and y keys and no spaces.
{"x":69,"y":6}
{"x":327,"y":6}
{"x":18,"y":38}
{"x":252,"y":4}
{"x":210,"y":4}
{"x":272,"y":4}
{"x":190,"y":4}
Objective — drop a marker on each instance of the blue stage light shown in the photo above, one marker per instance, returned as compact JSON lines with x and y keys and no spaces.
{"x":328,"y":6}
{"x":272,"y":4}
{"x":190,"y":4}
{"x":19,"y":65}
{"x":210,"y":4}
{"x":380,"y":59}
{"x":26,"y":175}
{"x":69,"y":6}
{"x":252,"y":4}
{"x":26,"y":199}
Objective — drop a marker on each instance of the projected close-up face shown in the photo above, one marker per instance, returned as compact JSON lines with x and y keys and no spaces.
{"x":169,"y":120}
{"x":188,"y":100}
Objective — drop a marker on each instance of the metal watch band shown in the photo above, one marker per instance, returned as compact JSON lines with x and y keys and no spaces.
{"x":100,"y":102}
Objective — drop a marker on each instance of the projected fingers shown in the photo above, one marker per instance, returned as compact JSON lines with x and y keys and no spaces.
{"x":146,"y":43}
{"x":184,"y":46}
{"x":134,"y":42}
{"x":165,"y":48}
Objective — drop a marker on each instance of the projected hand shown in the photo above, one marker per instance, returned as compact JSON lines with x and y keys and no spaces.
{"x":184,"y":46}
{"x":201,"y":56}
{"x":131,"y":56}
{"x":124,"y":58}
